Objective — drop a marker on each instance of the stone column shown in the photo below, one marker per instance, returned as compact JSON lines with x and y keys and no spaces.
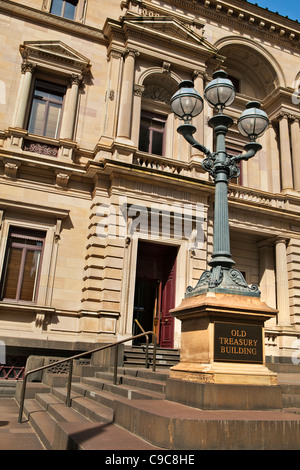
{"x":283,"y":304}
{"x":126,"y":101}
{"x":267,"y":275}
{"x":198,"y":121}
{"x":285,"y":153}
{"x":112,"y":94}
{"x":136,"y":113}
{"x":68,"y":122}
{"x":295,"y":141}
{"x":23,"y":96}
{"x":273,"y":160}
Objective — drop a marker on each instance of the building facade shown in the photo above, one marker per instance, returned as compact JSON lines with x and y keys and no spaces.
{"x":106,"y":212}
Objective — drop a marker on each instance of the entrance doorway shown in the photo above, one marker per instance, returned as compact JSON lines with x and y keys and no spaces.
{"x":155,"y":292}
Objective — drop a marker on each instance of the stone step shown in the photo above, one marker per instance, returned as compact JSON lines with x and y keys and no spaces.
{"x":99,"y":436}
{"x":7,"y":388}
{"x":145,"y":383}
{"x":290,"y":400}
{"x":86,"y":425}
{"x":290,"y":395}
{"x":41,"y":421}
{"x":126,"y":416}
{"x":161,"y":375}
{"x":126,"y":391}
{"x":179,"y":426}
{"x":88,"y":402}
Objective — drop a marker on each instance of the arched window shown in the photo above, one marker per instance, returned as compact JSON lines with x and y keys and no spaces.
{"x":155,"y":111}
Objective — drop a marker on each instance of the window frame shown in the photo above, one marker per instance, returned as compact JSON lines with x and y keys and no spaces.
{"x":32,"y":234}
{"x":159,"y":118}
{"x":55,"y":86}
{"x":63,"y":9}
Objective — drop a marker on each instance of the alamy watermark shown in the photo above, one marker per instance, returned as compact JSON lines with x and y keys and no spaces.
{"x":152,"y":222}
{"x":296,"y":354}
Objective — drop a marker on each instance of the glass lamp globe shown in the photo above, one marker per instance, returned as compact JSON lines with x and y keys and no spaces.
{"x":186,"y":103}
{"x":220,"y":92}
{"x":253,"y":121}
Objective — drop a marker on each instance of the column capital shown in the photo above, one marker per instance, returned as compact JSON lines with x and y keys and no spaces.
{"x":294,"y":118}
{"x":282,"y":115}
{"x":289,"y":116}
{"x":27,"y":67}
{"x":114,"y":54}
{"x":76,"y":79}
{"x":281,"y":239}
{"x":131,"y":53}
{"x":200,"y":73}
{"x":267,"y":243}
{"x":138,"y":90}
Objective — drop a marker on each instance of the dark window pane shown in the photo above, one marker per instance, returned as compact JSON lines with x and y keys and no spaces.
{"x":11,"y":276}
{"x":144,"y":139}
{"x":56,"y":7}
{"x":157,"y":143}
{"x":152,"y":129}
{"x":70,"y":7}
{"x":30,"y":272}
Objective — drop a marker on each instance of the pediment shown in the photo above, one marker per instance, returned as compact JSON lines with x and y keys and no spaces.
{"x":55,"y":51}
{"x":169,"y":29}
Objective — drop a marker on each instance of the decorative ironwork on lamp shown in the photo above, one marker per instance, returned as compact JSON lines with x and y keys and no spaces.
{"x":187,"y":103}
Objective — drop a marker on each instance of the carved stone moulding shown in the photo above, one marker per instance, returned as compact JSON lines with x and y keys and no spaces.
{"x":40,"y":148}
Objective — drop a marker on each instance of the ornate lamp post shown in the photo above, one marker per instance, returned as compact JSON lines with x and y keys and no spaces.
{"x":187,"y":103}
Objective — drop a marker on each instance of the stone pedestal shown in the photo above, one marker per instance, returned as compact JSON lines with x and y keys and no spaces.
{"x":222,"y":340}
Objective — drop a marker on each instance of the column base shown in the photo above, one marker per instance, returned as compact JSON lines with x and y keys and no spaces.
{"x":223,"y":396}
{"x":224,"y":373}
{"x":222,"y":340}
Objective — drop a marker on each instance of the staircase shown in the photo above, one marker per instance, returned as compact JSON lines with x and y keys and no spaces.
{"x":135,"y":415}
{"x":138,"y":412}
{"x":89,"y":423}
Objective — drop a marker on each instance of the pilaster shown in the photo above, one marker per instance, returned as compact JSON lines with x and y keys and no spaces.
{"x":285,"y":153}
{"x":282,"y":282}
{"x":126,"y":102}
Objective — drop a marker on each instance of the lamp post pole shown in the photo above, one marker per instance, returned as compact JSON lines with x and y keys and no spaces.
{"x":222,"y":277}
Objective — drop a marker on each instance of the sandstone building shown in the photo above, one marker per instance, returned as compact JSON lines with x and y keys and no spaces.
{"x":106,"y":212}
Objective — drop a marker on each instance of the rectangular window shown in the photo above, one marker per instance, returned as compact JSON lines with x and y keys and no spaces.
{"x":22,"y":265}
{"x":64,"y":8}
{"x":152,"y":129}
{"x":46,"y":109}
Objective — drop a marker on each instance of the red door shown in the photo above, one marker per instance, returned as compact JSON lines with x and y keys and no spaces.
{"x":167,"y":303}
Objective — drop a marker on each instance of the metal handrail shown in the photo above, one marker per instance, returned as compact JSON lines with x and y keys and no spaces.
{"x":77,"y":356}
{"x":147,"y":341}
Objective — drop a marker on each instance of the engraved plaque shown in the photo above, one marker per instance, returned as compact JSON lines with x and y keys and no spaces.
{"x":238,"y":342}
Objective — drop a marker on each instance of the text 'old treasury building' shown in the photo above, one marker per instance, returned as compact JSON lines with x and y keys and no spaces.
{"x":106,"y":213}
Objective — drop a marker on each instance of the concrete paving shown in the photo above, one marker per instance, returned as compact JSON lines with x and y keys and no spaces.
{"x":13,"y":435}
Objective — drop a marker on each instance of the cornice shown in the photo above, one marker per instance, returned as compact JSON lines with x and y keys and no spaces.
{"x":191,"y":44}
{"x":47,"y":19}
{"x":142,"y":32}
{"x":249,"y":17}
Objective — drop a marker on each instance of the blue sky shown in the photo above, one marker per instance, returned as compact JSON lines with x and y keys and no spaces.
{"x":290,"y":8}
